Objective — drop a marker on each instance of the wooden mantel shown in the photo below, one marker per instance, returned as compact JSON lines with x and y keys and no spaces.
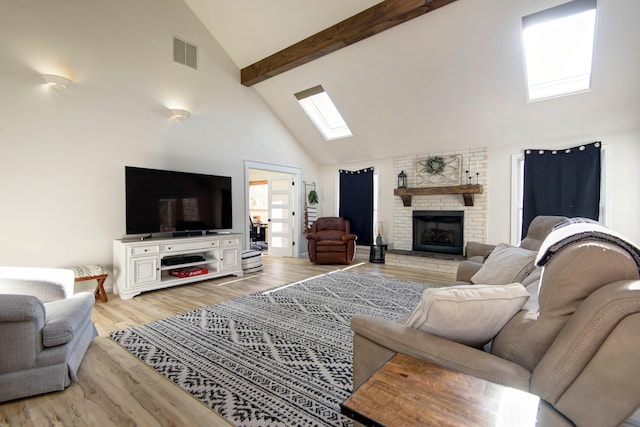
{"x":467,"y":192}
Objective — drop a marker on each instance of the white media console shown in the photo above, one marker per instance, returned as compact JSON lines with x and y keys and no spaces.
{"x":145,"y":265}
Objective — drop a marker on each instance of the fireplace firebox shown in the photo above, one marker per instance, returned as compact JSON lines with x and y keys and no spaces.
{"x":438,"y":231}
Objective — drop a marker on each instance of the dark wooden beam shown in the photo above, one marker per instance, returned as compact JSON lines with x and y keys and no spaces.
{"x":365,"y":24}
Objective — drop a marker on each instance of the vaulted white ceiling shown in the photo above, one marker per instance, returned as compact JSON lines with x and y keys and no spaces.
{"x":450,"y":79}
{"x":250,"y":30}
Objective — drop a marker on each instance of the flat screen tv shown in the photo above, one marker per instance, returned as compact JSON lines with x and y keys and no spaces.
{"x":160,"y":201}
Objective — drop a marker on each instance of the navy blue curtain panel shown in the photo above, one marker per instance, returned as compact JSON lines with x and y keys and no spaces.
{"x":561,"y":182}
{"x":356,"y":203}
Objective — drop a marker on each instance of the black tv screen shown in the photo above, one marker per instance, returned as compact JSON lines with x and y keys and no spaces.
{"x":168,"y":201}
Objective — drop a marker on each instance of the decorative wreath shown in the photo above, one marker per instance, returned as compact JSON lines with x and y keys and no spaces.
{"x":434,"y":165}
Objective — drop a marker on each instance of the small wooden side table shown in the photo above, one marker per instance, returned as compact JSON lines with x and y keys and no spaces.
{"x":92,"y":272}
{"x":376,"y":254}
{"x":411,"y":392}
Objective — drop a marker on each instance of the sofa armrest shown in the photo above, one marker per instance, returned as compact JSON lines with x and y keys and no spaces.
{"x":48,"y":284}
{"x":399,"y":338}
{"x":466,"y":270}
{"x":349,"y":237}
{"x":65,"y":318}
{"x":21,"y":321}
{"x":476,"y":249}
{"x":596,"y":350}
{"x":18,"y":308}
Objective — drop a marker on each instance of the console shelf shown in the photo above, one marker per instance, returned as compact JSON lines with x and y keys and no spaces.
{"x":138,"y":265}
{"x":467,"y":192}
{"x":189,"y":264}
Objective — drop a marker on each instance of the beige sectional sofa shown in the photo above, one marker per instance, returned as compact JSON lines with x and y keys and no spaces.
{"x":477,"y":253}
{"x":576,"y":346}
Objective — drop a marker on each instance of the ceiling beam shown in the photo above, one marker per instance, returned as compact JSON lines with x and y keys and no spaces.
{"x":367,"y":23}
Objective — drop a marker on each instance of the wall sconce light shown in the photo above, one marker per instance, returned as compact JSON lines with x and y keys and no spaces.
{"x":179,"y":113}
{"x":56,"y":81}
{"x":402,"y":180}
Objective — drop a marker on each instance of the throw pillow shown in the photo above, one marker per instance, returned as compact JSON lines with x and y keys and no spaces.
{"x":468,"y":314}
{"x":505,"y":264}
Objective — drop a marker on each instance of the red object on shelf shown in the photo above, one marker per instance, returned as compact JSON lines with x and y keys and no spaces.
{"x":188,"y":271}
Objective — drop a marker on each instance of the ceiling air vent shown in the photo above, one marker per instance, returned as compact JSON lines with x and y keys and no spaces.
{"x":185,"y":53}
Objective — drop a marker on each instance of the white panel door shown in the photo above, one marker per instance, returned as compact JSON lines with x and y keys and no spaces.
{"x":281,"y":217}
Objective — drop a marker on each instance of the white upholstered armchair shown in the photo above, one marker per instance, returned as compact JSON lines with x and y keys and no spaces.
{"x":45,"y":330}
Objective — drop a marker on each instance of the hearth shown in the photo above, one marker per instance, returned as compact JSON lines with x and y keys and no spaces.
{"x":438,"y":231}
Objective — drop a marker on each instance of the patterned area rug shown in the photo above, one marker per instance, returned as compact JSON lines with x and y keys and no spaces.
{"x":276,"y":358}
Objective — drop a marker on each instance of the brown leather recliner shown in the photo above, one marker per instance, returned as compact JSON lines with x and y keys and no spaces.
{"x":578,"y":350}
{"x":331,"y":242}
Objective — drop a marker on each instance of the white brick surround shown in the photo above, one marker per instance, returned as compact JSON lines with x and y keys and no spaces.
{"x":475,"y":217}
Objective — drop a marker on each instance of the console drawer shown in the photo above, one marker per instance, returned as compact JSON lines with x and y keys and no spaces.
{"x":188,"y":246}
{"x":144,"y":250}
{"x":230,"y":241}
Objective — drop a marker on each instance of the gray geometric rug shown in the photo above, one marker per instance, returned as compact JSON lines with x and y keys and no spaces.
{"x":276,"y":358}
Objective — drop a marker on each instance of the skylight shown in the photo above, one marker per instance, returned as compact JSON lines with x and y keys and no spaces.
{"x":558,"y":47}
{"x":323,"y":113}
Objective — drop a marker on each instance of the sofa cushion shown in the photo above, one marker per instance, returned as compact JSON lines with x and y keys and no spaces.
{"x":468,"y":314}
{"x":329,"y":235}
{"x":47,"y":284}
{"x":331,"y":223}
{"x":331,"y":246}
{"x":65,"y":318}
{"x":506,"y":264}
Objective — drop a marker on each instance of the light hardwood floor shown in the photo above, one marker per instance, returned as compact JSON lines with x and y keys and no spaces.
{"x":115,"y":389}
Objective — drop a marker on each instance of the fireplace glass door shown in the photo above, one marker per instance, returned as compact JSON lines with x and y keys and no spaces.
{"x":438,"y":231}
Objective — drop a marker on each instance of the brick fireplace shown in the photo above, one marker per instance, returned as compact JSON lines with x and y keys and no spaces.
{"x":474,"y":218}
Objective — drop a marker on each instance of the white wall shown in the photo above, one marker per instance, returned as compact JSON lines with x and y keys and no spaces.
{"x":622,"y":176}
{"x":329,"y":182}
{"x":454,"y":78}
{"x":477,"y":99}
{"x":63,"y":152}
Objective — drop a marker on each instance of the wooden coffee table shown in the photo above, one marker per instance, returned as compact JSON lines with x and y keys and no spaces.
{"x":411,"y":392}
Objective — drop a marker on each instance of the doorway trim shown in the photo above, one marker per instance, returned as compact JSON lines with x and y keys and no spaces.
{"x":295,"y":172}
